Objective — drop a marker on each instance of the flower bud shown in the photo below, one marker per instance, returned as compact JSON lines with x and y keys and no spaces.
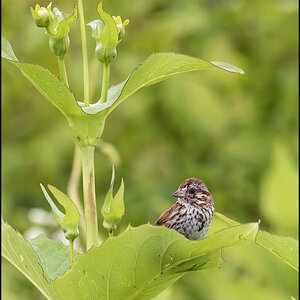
{"x":68,"y":221}
{"x":40,"y":16}
{"x":105,"y":54}
{"x":107,"y":34}
{"x":59,"y":46}
{"x":113,"y":208}
{"x":57,"y":27}
{"x":120,"y":26}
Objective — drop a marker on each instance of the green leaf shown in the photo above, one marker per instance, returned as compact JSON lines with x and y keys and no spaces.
{"x":6,"y":50}
{"x":51,"y":88}
{"x":286,"y":248}
{"x":68,"y":221}
{"x":85,"y":128}
{"x":87,"y":123}
{"x":158,"y":67}
{"x":143,"y":261}
{"x":53,"y":254}
{"x":22,"y":256}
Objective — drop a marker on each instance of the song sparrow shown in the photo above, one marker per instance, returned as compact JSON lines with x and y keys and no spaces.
{"x":192,"y":212}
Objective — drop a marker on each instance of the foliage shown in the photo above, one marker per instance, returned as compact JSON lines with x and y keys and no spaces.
{"x":228,"y":129}
{"x":152,"y":259}
{"x":286,"y":248}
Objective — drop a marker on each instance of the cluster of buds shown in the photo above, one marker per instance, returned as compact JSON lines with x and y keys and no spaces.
{"x":107,"y":33}
{"x":56,"y":26}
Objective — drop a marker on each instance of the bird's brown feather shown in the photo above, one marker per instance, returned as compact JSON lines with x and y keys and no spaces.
{"x":168,"y":215}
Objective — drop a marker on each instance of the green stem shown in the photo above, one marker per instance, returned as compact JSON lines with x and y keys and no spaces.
{"x":86,"y":95}
{"x":63,"y":71}
{"x":105,"y":83}
{"x":88,"y":174}
{"x":73,"y":189}
{"x":71,"y":250}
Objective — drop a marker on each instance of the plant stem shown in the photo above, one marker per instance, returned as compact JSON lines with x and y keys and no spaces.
{"x":86,"y":95}
{"x":88,"y":174}
{"x":71,"y":249}
{"x":105,"y":83}
{"x":62,"y":71}
{"x":73,"y":188}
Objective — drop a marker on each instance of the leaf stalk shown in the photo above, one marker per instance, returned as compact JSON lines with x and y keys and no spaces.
{"x":86,"y":95}
{"x":105,"y":83}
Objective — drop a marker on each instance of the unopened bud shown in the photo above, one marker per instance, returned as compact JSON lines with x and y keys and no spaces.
{"x":107,"y":33}
{"x":57,"y":27}
{"x":40,"y":16}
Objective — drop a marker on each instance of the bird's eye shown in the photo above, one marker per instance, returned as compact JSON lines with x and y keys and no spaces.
{"x":192,"y":191}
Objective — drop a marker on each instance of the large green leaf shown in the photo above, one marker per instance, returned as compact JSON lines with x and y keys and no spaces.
{"x":87,"y":123}
{"x":157,"y":67}
{"x":51,"y":88}
{"x":53,"y":254}
{"x":138,"y":264}
{"x":143,"y":261}
{"x":85,"y":128}
{"x":286,"y":248}
{"x":19,"y":253}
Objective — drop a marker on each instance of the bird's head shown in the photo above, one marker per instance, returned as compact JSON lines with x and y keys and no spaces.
{"x":194,"y":190}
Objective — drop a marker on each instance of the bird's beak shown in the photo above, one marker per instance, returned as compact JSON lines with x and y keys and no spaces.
{"x":179,"y":193}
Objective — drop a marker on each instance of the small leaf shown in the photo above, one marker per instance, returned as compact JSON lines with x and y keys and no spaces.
{"x":228,"y":67}
{"x":7,"y":51}
{"x":54,"y":256}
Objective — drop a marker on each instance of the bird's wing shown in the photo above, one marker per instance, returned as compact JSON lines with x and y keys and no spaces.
{"x":168,"y":217}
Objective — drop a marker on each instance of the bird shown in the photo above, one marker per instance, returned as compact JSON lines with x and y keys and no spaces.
{"x":192,"y":213}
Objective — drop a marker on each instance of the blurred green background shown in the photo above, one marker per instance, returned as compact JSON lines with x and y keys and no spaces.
{"x":237,"y":133}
